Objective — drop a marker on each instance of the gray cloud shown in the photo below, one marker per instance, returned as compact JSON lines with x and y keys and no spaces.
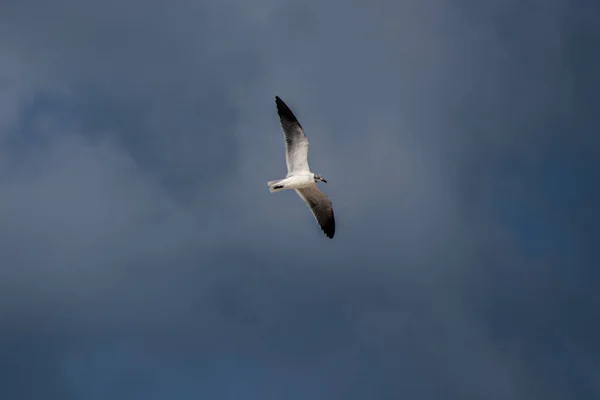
{"x":142,"y":256}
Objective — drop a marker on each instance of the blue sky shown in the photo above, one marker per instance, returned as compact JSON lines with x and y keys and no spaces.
{"x":143,"y":257}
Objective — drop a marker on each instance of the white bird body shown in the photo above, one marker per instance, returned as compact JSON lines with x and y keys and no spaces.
{"x":298,"y":181}
{"x":299,"y":176}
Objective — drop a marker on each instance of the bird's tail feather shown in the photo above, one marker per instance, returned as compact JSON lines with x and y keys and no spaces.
{"x":272,"y":184}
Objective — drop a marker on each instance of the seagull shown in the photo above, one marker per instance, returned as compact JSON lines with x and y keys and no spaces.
{"x":299,"y":176}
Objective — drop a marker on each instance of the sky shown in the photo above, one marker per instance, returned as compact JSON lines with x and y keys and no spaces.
{"x":143,"y":257}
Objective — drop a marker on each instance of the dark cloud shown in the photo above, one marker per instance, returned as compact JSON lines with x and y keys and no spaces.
{"x":142,"y":256}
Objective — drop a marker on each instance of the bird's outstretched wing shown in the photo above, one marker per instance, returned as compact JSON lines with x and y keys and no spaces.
{"x":321,"y":208}
{"x":296,"y":142}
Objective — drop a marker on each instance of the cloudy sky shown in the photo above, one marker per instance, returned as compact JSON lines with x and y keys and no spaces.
{"x":143,"y":257}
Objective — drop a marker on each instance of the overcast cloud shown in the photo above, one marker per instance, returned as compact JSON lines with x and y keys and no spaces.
{"x":143,"y":257}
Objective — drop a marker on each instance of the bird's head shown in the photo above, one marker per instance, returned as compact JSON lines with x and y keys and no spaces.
{"x":319,"y":178}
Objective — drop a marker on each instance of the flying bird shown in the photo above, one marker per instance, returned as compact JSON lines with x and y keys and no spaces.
{"x":299,"y":176}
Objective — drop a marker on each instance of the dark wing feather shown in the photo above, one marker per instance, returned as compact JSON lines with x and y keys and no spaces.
{"x":296,"y":142}
{"x":321,"y":208}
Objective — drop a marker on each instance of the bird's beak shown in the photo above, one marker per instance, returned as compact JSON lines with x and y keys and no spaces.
{"x":324,"y":180}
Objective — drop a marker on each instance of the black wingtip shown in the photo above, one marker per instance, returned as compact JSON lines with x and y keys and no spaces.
{"x":329,"y":227}
{"x":285,"y":113}
{"x":280,"y":103}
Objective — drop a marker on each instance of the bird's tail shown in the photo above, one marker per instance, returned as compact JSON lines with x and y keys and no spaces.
{"x":273,"y":187}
